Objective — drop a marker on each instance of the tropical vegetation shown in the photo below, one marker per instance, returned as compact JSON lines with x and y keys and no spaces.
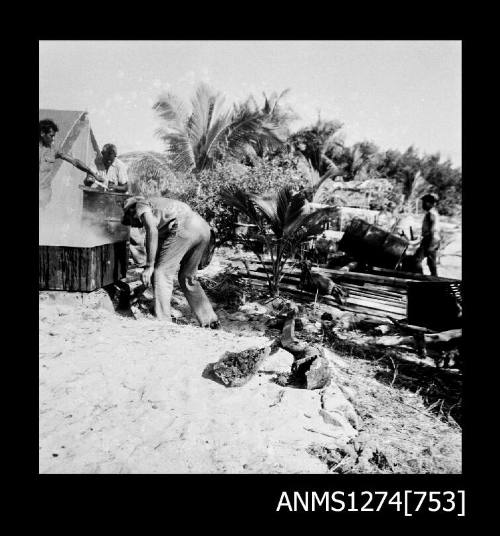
{"x":283,"y":222}
{"x":251,"y":145}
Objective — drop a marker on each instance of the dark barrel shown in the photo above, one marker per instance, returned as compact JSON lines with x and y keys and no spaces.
{"x":436,"y":305}
{"x":372,"y":245}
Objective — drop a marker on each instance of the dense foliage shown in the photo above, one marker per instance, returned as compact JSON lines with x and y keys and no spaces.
{"x":251,"y":146}
{"x":202,"y":191}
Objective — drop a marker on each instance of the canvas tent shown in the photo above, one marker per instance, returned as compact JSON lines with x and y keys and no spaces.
{"x":60,"y":198}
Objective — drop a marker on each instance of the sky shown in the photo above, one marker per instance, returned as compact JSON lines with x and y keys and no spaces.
{"x":393,"y":93}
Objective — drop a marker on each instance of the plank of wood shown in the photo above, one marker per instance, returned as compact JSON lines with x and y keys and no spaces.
{"x":42,"y":267}
{"x":376,"y":297}
{"x":371,"y":312}
{"x":55,"y":269}
{"x":411,"y":276}
{"x":357,"y":276}
{"x":396,"y":282}
{"x":382,"y":299}
{"x":373,"y":304}
{"x":382,"y":289}
{"x":373,"y":290}
{"x":107,"y":255}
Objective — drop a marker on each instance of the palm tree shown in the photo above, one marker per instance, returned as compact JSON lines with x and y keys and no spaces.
{"x":313,"y":192}
{"x":361,"y":161}
{"x":149,"y":173}
{"x":283,"y":222}
{"x":280,"y":115}
{"x":195,"y":140}
{"x":317,"y":142}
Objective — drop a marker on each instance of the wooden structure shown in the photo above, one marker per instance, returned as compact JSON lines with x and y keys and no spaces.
{"x":82,"y":245}
{"x":382,"y":293}
{"x":367,"y":294}
{"x":81,"y":269}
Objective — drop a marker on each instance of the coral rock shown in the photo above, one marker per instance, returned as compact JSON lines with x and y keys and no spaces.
{"x":236,"y":368}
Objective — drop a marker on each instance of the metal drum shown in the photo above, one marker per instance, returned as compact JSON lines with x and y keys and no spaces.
{"x":104,"y":210}
{"x":372,"y":245}
{"x":436,"y":305}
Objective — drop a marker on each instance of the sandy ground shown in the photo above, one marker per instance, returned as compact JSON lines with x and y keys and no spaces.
{"x":450,"y":263}
{"x":119,"y":395}
{"x":125,"y":395}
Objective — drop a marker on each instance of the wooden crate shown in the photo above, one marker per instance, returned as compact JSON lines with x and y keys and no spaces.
{"x":81,"y":269}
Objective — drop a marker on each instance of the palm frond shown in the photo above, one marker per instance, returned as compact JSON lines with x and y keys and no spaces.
{"x":269,"y":209}
{"x":248,"y":128}
{"x":204,"y":104}
{"x":171,"y":110}
{"x":296,"y":208}
{"x":285,"y":205}
{"x":241,"y":201}
{"x":304,"y":223}
{"x":180,"y":151}
{"x":215,"y":136}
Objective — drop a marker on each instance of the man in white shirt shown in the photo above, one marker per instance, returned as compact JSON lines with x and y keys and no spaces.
{"x":112,"y":171}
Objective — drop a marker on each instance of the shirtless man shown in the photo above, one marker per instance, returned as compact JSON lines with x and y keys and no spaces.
{"x":431,"y":237}
{"x":47,"y":155}
{"x":176,"y":238}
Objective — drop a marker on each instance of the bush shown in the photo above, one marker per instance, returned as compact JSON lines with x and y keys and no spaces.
{"x":202,"y":191}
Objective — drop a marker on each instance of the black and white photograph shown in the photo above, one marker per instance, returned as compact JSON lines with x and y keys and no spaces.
{"x":250,"y":257}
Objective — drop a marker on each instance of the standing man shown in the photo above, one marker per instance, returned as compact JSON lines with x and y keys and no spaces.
{"x":112,"y":170}
{"x":46,"y":158}
{"x":176,"y":238}
{"x":431,"y":235}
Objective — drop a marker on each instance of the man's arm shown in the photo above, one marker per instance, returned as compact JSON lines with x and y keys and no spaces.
{"x":98,"y":177}
{"x":120,"y":188}
{"x":151,"y":246}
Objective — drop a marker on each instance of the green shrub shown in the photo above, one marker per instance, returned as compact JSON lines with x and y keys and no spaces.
{"x":202,"y":191}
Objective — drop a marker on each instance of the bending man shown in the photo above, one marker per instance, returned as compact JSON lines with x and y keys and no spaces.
{"x":176,"y":238}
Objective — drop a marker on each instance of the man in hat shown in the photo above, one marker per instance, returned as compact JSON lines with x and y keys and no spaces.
{"x":176,"y":238}
{"x":431,"y":237}
{"x":110,"y":169}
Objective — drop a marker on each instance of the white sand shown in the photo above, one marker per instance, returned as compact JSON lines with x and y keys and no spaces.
{"x":119,"y":395}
